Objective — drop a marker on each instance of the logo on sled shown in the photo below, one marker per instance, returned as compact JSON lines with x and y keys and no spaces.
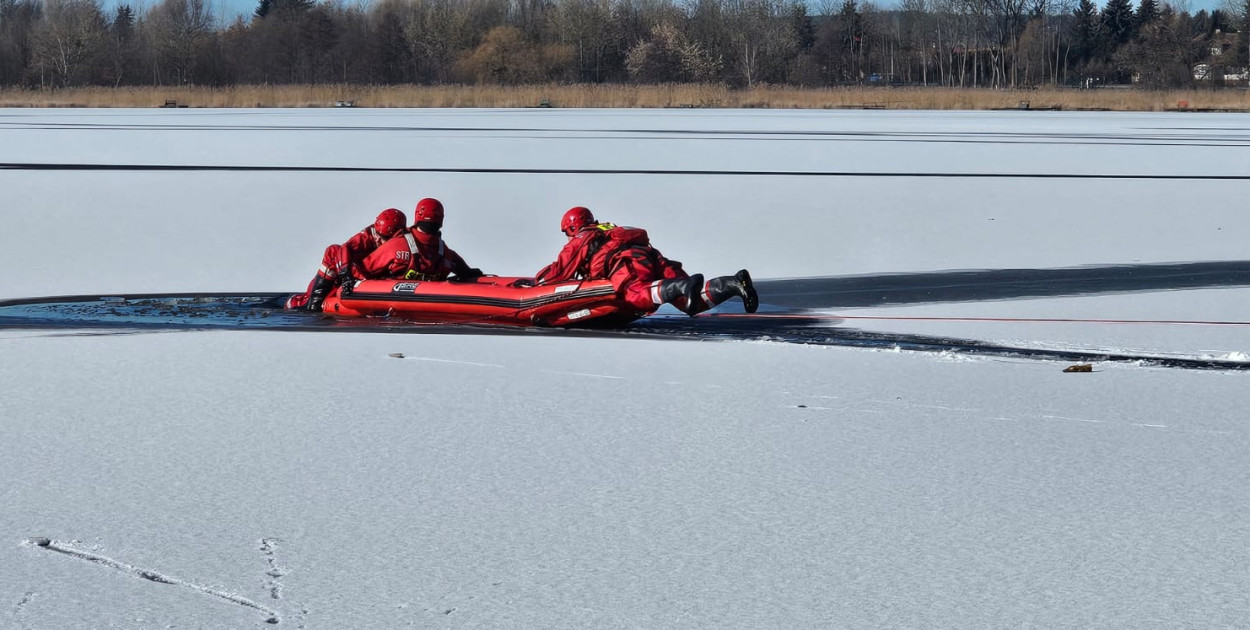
{"x":405,"y":287}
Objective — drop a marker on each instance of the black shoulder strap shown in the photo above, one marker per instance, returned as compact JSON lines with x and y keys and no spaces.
{"x":597,"y":239}
{"x":415,"y":252}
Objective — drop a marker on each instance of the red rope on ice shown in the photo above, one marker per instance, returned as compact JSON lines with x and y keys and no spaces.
{"x":989,"y":319}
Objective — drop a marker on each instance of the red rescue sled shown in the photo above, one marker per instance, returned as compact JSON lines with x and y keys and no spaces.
{"x":487,"y":300}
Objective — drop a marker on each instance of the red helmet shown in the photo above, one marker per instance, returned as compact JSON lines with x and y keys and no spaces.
{"x":390,"y":221}
{"x":429,"y":209}
{"x":575,"y":219}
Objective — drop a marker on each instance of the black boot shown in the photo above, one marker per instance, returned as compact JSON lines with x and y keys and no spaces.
{"x":672,"y":292}
{"x":739,"y":284}
{"x":746,"y":288}
{"x":321,"y":288}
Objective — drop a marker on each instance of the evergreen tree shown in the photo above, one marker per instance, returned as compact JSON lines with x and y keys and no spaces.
{"x":804,"y":28}
{"x":1117,"y":22}
{"x":124,"y":21}
{"x":852,"y":39}
{"x":18,"y":19}
{"x":1085,"y":28}
{"x":852,"y":26}
{"x":1200,"y":26}
{"x":1147,"y":12}
{"x":122,"y":46}
{"x":284,"y":7}
{"x":1219,"y":21}
{"x":390,"y":50}
{"x":1243,"y":36}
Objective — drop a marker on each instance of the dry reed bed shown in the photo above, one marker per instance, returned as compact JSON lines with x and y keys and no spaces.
{"x":630,"y":96}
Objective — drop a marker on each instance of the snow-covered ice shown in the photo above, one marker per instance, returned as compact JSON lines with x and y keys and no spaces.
{"x":230,"y":479}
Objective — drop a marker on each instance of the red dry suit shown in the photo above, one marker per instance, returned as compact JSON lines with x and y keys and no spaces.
{"x":339,"y":260}
{"x":623,"y":255}
{"x":415,"y":255}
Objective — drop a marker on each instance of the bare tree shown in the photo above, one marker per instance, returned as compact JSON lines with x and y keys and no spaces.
{"x":669,"y":57}
{"x":1008,"y":19}
{"x":1032,"y":58}
{"x":916,"y":27}
{"x":586,"y":26}
{"x":441,"y":32}
{"x":840,"y":44}
{"x":761,"y":38}
{"x":174,"y":31}
{"x":351,"y":55}
{"x":999,"y":43}
{"x":505,"y":56}
{"x":1239,"y":12}
{"x":68,"y":44}
{"x":530,"y":16}
{"x":317,"y":38}
{"x":294,"y":41}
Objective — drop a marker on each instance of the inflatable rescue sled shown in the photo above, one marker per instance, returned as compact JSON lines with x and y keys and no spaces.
{"x":486,"y":300}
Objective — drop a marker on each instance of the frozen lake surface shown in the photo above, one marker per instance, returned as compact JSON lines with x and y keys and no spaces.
{"x":227,"y":478}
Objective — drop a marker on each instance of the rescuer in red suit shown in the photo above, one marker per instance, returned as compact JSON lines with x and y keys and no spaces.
{"x":337,"y":263}
{"x":418,"y":253}
{"x":641,"y":275}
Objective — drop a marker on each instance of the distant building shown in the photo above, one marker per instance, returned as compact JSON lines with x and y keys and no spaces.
{"x":1213,"y":69}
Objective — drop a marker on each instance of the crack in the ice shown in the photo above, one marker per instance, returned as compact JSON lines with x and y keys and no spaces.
{"x":273,"y":571}
{"x":18,"y":607}
{"x":150,"y":575}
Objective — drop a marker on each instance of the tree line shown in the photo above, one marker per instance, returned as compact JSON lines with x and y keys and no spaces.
{"x":955,"y":43}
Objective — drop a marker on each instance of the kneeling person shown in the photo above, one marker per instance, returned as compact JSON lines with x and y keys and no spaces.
{"x":338,"y":260}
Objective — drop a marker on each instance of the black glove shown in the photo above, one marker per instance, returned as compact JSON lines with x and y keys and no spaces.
{"x":468,"y":275}
{"x":346,"y":280}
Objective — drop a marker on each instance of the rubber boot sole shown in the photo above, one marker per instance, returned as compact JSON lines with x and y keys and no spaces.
{"x":750,"y":299}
